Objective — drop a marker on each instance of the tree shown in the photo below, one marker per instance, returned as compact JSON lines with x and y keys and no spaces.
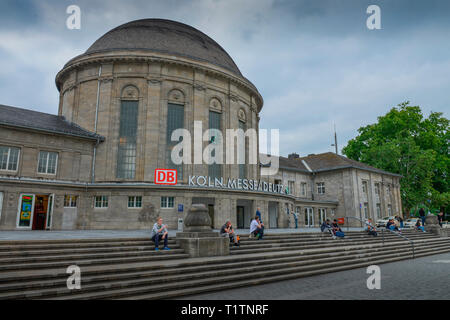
{"x":406,"y":143}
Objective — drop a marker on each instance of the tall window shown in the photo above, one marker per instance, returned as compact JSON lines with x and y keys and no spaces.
{"x":175,"y":120}
{"x":291,"y":186}
{"x":9,"y":158}
{"x":243,"y":167}
{"x":366,"y":210}
{"x":378,"y":210}
{"x":304,"y":189}
{"x":215,"y":169}
{"x":126,"y":157}
{"x":321,"y":188}
{"x":389,"y":207}
{"x":364,"y":187}
{"x":47,"y":162}
{"x":377,"y":189}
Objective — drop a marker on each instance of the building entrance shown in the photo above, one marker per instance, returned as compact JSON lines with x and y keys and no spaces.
{"x":309,"y":217}
{"x":273,"y":215}
{"x":240,"y":212}
{"x":35,"y":211}
{"x":40,"y":212}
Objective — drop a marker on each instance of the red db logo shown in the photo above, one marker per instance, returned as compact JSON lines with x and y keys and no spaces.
{"x":165,"y":176}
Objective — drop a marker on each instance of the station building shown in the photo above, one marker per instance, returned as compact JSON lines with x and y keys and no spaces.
{"x":92,"y":165}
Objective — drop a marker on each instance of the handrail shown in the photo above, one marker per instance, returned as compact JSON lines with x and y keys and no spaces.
{"x":382,"y":232}
{"x":400,"y":235}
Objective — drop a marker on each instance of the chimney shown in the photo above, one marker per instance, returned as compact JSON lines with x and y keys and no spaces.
{"x":293,"y":156}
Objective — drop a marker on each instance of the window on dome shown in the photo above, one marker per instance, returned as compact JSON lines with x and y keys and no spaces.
{"x":126,"y":158}
{"x":175,"y":120}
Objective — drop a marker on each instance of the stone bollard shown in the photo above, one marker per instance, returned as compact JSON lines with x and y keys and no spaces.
{"x":432,"y":225}
{"x":197,"y":238}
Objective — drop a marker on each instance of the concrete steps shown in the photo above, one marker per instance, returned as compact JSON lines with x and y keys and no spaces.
{"x":138,"y":272}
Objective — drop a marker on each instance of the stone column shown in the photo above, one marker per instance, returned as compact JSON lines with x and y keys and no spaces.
{"x":197,"y":238}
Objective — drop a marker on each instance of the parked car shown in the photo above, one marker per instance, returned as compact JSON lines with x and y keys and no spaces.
{"x":445,"y":224}
{"x":410,"y":223}
{"x":383,"y":221}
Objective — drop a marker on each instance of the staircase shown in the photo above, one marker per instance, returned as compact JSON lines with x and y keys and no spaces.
{"x":131,"y":269}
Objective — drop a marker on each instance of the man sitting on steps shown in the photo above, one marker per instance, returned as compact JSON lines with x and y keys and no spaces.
{"x":227,"y":231}
{"x":159,"y":232}
{"x":371,"y":230}
{"x":326,"y":227}
{"x":256,"y":228}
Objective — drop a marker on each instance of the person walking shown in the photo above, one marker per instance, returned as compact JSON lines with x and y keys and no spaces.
{"x":295,"y":213}
{"x":258,"y":213}
{"x":440,"y":218}
{"x":160,"y":232}
{"x":422,"y":215}
{"x":400,"y":220}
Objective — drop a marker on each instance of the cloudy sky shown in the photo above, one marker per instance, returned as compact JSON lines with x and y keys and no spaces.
{"x":314,"y":61}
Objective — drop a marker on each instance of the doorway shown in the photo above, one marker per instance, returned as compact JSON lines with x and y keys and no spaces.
{"x":240,"y":217}
{"x":273,"y":214}
{"x":40,"y":212}
{"x":35,"y":212}
{"x":322,"y":215}
{"x":309,"y":217}
{"x":211,"y":214}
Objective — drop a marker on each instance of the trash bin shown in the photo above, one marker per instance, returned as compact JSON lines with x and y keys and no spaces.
{"x":180,"y":224}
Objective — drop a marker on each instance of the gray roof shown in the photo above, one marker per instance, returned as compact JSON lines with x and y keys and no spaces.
{"x":164,"y":36}
{"x":33,"y":120}
{"x":326,"y":162}
{"x":331,"y":161}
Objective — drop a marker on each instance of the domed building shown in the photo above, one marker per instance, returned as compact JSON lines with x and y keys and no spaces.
{"x":93,"y":165}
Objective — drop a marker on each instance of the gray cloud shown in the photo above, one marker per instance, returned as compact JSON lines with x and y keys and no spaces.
{"x":314,"y":62}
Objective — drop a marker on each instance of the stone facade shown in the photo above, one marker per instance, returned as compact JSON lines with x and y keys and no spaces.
{"x":85,"y":191}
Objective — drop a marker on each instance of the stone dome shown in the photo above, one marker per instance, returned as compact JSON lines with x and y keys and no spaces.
{"x":165,"y":36}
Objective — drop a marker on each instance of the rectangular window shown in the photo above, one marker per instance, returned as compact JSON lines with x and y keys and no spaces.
{"x":377,"y":189}
{"x":47,"y":162}
{"x":9,"y":158}
{"x":135,"y":202}
{"x":175,"y":120}
{"x":366,"y":210}
{"x":364,"y":187}
{"x":167,"y":202}
{"x":70,"y":201}
{"x":215,"y":169}
{"x":243,"y":167}
{"x":378,"y":210}
{"x":321,"y":188}
{"x":291,"y":186}
{"x":1,"y":204}
{"x":126,"y":156}
{"x":101,"y":202}
{"x":389,"y":210}
{"x":304,"y":189}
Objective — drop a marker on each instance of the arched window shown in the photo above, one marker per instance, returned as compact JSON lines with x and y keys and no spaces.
{"x":215,"y":122}
{"x":243,"y":126}
{"x":175,"y":120}
{"x":126,"y":155}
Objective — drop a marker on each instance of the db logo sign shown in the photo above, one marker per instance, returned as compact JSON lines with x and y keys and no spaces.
{"x":165,"y":176}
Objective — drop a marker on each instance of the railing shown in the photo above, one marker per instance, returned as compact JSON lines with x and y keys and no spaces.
{"x":382,"y":232}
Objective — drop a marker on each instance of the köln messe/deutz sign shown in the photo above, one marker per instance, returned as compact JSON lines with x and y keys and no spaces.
{"x":236,"y":184}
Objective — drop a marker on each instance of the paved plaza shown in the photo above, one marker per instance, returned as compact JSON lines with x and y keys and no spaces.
{"x":422,"y":278}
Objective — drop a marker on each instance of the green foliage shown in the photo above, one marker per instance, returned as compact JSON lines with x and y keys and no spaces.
{"x":406,"y":143}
